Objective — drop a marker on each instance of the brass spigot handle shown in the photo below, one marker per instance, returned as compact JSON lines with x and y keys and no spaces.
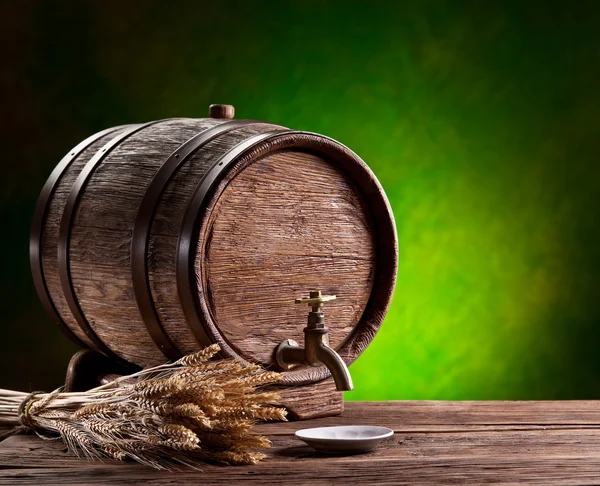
{"x":315,"y":300}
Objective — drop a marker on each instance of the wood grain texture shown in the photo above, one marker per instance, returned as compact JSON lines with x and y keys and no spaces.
{"x":101,"y":236}
{"x":316,"y":400}
{"x":434,"y":442}
{"x":287,"y":224}
{"x":383,"y":235}
{"x":167,"y":225}
{"x":55,"y":210}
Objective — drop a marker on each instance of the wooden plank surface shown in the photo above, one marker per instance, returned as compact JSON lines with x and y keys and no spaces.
{"x":434,"y":442}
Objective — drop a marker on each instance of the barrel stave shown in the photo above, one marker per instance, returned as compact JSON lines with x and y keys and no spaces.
{"x":49,"y":237}
{"x":167,"y":225}
{"x":100,"y":251}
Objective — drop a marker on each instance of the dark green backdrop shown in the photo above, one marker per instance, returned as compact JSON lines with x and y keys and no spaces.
{"x":481,"y":120}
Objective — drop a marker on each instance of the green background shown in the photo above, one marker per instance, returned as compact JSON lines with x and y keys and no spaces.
{"x":480,"y":119}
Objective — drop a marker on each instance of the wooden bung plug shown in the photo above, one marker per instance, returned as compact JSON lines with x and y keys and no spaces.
{"x":221,"y":111}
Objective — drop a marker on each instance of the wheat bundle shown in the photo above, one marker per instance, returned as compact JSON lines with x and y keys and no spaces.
{"x":180,"y":413}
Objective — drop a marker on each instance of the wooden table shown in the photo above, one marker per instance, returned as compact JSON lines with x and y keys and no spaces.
{"x":435,"y":442}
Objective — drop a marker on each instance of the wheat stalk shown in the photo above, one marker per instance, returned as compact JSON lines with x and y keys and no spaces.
{"x":180,"y":413}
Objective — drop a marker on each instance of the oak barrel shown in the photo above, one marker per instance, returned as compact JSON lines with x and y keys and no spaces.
{"x":152,"y":240}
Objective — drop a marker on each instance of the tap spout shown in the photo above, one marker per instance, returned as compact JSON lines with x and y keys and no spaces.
{"x":289,"y":353}
{"x":316,"y":350}
{"x":339,"y":370}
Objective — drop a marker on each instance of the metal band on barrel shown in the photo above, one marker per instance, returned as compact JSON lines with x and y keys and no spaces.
{"x":37,"y":228}
{"x":191,"y":292}
{"x":143,"y":223}
{"x":65,"y":234}
{"x":185,"y":247}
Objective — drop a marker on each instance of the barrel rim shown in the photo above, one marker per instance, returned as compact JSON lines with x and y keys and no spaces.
{"x":184,"y":267}
{"x":196,"y":225}
{"x":143,"y":225}
{"x":37,"y":229}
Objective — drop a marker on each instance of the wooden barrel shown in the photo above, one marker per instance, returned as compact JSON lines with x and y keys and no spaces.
{"x":152,"y":240}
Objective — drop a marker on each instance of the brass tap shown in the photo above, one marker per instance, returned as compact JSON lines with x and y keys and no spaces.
{"x":316,"y":350}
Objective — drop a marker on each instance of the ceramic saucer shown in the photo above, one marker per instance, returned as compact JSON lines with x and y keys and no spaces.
{"x":346,"y":439}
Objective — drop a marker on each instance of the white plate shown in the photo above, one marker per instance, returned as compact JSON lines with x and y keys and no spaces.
{"x":344,"y":439}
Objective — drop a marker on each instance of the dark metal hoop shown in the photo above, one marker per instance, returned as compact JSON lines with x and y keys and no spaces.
{"x":185,"y":247}
{"x":64,"y":235}
{"x":143,"y":224}
{"x":37,"y":227}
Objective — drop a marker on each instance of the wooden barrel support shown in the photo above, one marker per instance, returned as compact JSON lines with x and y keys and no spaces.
{"x":152,"y":240}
